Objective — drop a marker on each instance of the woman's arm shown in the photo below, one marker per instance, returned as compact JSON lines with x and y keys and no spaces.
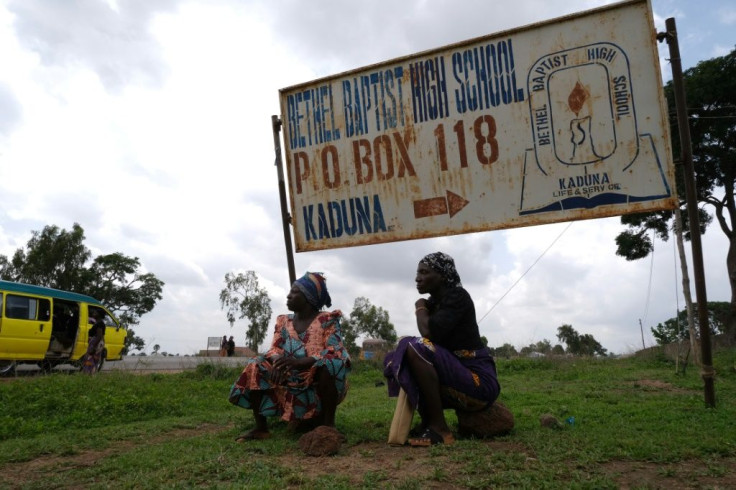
{"x":421,"y":311}
{"x":331,"y":346}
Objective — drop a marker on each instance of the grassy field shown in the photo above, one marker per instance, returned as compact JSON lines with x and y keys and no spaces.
{"x":626,"y":423}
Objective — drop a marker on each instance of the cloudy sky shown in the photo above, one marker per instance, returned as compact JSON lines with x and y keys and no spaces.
{"x":149,"y":124}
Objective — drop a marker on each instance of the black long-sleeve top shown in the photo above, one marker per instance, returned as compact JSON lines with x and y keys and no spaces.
{"x":452,"y":321}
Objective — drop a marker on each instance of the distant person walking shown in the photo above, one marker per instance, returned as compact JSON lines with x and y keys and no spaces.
{"x":230,"y":346}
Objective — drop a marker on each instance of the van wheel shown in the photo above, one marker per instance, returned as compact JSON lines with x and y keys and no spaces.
{"x":7,"y":368}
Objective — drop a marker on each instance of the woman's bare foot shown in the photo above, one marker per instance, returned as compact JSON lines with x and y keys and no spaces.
{"x":253,"y":435}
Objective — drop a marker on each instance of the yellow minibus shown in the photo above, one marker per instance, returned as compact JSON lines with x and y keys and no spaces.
{"x":48,"y":327}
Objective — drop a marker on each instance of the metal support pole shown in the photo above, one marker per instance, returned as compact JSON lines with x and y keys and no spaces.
{"x":285,"y":217}
{"x":692,"y":210}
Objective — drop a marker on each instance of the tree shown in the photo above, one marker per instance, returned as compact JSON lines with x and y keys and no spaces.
{"x":580,"y":345}
{"x":115,"y":280}
{"x":543,"y":346}
{"x":242,"y":297}
{"x":156,"y":348}
{"x":59,"y":259}
{"x":570,"y":337}
{"x":53,"y":258}
{"x":589,"y":346}
{"x":506,"y":350}
{"x":711,"y":99}
{"x":372,"y":321}
{"x":349,"y":337}
{"x":676,"y":328}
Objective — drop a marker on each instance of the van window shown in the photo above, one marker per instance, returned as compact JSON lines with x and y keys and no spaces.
{"x":25,"y":308}
{"x":109,"y":322}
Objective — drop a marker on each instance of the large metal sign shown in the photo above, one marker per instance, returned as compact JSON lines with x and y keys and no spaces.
{"x":557,"y":121}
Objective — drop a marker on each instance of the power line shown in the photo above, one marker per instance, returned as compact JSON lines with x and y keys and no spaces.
{"x":525,"y":272}
{"x":649,"y":288}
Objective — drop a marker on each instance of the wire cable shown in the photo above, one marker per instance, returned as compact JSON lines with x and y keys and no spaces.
{"x":649,"y":288}
{"x":527,"y":271}
{"x":677,"y":295}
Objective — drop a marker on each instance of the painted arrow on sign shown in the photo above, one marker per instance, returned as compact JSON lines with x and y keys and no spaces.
{"x":435,"y":206}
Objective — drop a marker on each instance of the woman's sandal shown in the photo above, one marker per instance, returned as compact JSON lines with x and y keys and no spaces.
{"x":418,"y":430}
{"x":430,"y":438}
{"x":253,"y":435}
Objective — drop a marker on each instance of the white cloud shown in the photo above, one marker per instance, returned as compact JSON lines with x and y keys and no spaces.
{"x":149,"y":123}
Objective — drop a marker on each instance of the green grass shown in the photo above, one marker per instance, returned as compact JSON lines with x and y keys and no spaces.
{"x":632,"y":422}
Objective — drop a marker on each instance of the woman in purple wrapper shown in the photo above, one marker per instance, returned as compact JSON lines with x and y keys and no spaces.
{"x":447,"y":366}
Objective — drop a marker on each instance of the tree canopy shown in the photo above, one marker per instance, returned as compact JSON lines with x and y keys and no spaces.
{"x":676,"y":328}
{"x":711,"y":103}
{"x":369,"y":320}
{"x":506,"y":350}
{"x":242,"y":297}
{"x":57,"y":258}
{"x":579,"y":345}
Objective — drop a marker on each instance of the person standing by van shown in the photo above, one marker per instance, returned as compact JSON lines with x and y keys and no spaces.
{"x":95,"y":343}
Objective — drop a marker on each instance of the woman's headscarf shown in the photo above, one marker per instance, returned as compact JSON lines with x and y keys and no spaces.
{"x":314,"y":288}
{"x":445,"y":266}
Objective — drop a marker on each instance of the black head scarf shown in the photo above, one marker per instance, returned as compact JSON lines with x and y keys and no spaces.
{"x":445,"y":266}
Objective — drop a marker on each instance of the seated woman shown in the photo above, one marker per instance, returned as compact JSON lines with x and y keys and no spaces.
{"x":447,"y":366}
{"x":303,"y":376}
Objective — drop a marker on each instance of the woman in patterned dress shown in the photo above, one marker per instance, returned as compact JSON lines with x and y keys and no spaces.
{"x":92,"y":361}
{"x":303,"y":376}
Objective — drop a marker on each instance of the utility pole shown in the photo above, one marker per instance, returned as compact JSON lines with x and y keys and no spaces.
{"x":285,"y":217}
{"x":707,"y":371}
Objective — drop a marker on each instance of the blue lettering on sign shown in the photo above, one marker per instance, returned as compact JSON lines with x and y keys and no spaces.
{"x":344,"y":217}
{"x":486,"y":76}
{"x":584,"y":180}
{"x":373,"y":100}
{"x":429,"y":89}
{"x":311,"y":117}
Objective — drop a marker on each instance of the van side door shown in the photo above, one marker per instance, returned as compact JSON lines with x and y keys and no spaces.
{"x":114,"y":333}
{"x":25,"y":328}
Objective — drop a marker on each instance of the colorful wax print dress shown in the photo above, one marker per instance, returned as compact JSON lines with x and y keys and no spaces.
{"x":297,"y":398}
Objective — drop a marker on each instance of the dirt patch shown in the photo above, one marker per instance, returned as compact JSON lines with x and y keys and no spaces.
{"x":675,"y":476}
{"x":658,"y":385}
{"x":391,"y":464}
{"x":365,"y":462}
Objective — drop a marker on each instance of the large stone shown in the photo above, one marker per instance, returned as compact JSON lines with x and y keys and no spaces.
{"x":322,"y":441}
{"x":496,"y":420}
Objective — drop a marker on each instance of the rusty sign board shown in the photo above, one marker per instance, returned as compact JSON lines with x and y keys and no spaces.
{"x":556,"y":121}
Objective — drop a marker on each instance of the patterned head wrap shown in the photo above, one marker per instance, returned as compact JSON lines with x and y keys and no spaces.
{"x":312,"y":285}
{"x":445,"y":266}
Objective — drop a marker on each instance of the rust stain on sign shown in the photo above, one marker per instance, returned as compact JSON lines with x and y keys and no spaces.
{"x":435,"y":206}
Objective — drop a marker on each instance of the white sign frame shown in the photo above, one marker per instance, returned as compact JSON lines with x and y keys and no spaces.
{"x":557,"y":121}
